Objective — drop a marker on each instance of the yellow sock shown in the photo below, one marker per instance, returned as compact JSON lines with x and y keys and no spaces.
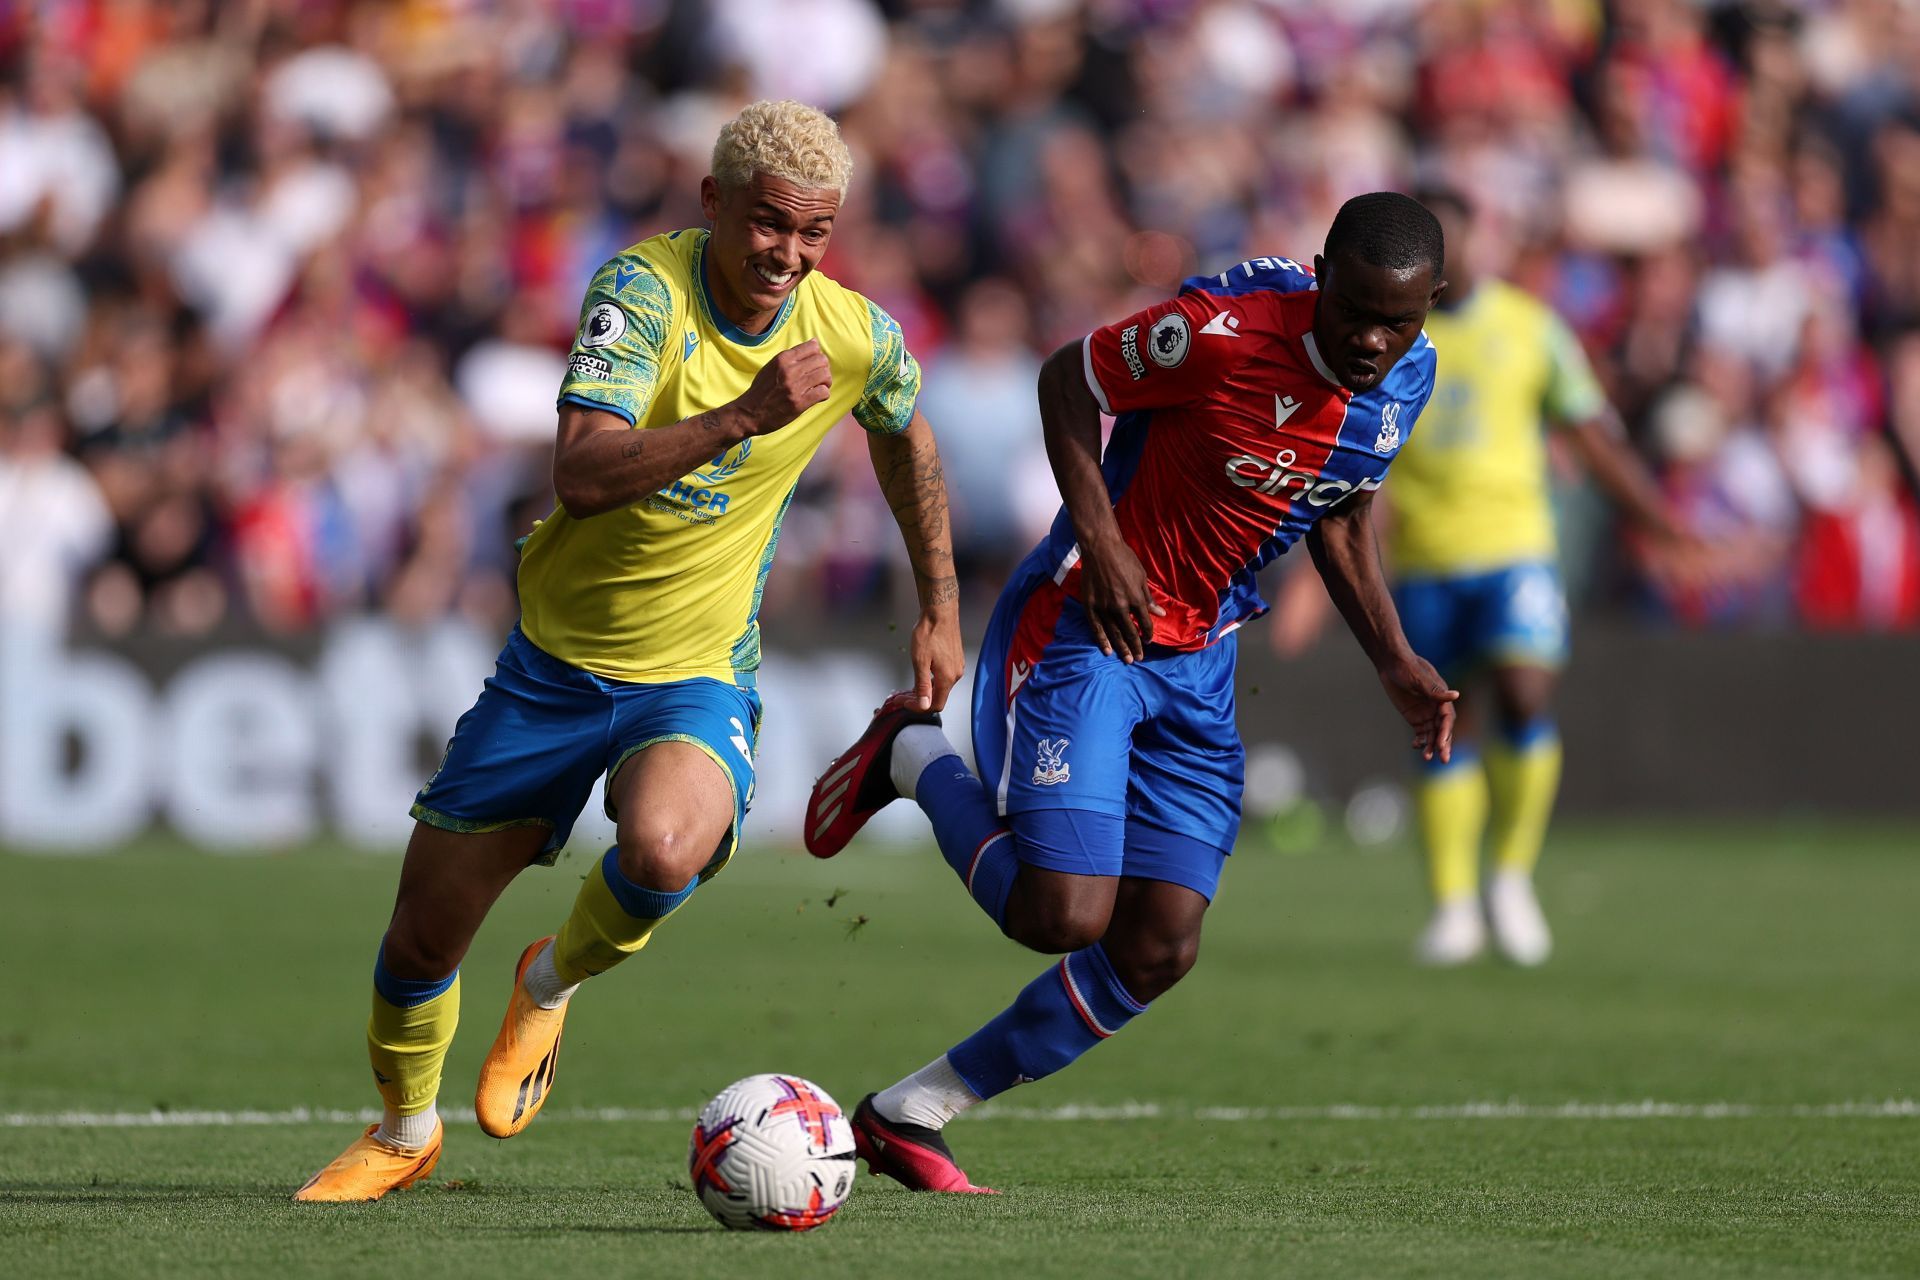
{"x":612,"y":918}
{"x":408,"y":1044}
{"x":1523,"y":782}
{"x":1452,"y":806}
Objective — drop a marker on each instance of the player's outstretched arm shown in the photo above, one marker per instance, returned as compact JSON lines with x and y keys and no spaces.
{"x":1601,"y":442}
{"x":1347,"y":555}
{"x":907,"y":464}
{"x":601,"y":464}
{"x":1113,"y":583}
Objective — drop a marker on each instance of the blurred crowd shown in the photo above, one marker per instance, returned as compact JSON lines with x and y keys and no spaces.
{"x":286,"y":285}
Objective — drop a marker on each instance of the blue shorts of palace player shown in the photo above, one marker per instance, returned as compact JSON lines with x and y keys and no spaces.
{"x":1103,"y":768}
{"x":529,"y":751}
{"x":1511,"y":616}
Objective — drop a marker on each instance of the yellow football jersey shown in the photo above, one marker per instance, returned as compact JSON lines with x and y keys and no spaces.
{"x":1470,"y":490}
{"x":669,"y":588}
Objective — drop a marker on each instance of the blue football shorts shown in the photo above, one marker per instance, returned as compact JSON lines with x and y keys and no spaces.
{"x":1512,"y":616}
{"x":528,"y":752}
{"x":1064,"y":733}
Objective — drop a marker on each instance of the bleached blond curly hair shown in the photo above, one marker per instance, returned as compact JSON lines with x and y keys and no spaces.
{"x":785,"y":139}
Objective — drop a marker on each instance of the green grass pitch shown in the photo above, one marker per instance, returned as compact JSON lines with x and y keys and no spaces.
{"x":1761,"y":985}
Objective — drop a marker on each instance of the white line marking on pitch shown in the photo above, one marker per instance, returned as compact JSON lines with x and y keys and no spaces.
{"x":1647,"y":1109}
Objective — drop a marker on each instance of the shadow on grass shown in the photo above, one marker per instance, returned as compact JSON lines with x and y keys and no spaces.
{"x":53,"y":1195}
{"x":57,"y":1193}
{"x":595,"y":1229}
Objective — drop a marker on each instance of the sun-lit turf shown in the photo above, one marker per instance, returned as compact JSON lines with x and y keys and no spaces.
{"x":1767,"y":969}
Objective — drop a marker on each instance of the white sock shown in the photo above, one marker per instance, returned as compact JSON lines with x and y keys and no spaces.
{"x":930,"y":1096}
{"x":544,"y":984}
{"x":914,"y":748}
{"x":410,"y":1132}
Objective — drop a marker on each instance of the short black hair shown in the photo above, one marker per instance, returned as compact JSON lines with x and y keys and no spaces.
{"x":1387,"y":229}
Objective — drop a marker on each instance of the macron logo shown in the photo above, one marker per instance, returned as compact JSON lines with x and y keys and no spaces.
{"x":1283,"y":408}
{"x":1224,"y":325}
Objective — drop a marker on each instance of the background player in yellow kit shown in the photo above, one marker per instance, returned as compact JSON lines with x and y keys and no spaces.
{"x":1473,"y":549}
{"x":708,"y":368}
{"x":1475,"y":555}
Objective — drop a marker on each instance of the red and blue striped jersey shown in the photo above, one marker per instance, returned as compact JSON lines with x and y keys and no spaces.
{"x":1231,"y":437}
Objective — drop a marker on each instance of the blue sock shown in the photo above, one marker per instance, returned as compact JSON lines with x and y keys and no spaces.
{"x":637,"y":900}
{"x":1062,"y":1013}
{"x":973,"y":838}
{"x":405,"y":993}
{"x":1528,"y":734}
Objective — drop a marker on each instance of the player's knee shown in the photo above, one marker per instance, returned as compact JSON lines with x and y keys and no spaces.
{"x":417,"y":953}
{"x":1523,"y":718}
{"x":662,"y":856}
{"x":1524,"y":702}
{"x":1059,"y":926}
{"x":1149,"y":967}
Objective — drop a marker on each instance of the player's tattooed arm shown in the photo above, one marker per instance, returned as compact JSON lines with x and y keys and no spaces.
{"x":907,"y":464}
{"x":914,"y":482}
{"x":601,"y":464}
{"x":1113,"y":583}
{"x":1347,"y":554}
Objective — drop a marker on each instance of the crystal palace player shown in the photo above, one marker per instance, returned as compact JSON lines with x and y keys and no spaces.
{"x":1258,"y":407}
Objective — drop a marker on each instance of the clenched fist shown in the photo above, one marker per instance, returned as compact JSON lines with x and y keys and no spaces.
{"x":786,"y":387}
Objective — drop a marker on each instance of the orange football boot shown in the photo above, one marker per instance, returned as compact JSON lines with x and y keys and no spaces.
{"x":517,"y":1077}
{"x":370,"y":1168}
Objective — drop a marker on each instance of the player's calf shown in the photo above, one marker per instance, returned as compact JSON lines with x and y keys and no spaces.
{"x":1055,"y":913}
{"x":1154,"y":940}
{"x":1150,"y":965}
{"x":1065,"y":880}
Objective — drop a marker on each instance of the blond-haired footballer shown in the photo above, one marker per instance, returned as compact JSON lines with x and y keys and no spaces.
{"x":709,"y":366}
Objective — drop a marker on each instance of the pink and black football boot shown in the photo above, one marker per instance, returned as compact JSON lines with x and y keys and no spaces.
{"x":856,"y":785}
{"x":911,"y":1154}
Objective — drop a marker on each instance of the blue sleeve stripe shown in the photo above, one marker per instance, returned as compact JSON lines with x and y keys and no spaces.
{"x":603,"y":406}
{"x":1256,"y":275}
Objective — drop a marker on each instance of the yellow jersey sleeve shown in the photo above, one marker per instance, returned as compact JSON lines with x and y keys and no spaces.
{"x":886,"y":404}
{"x":625,"y":323}
{"x":1572,"y":394}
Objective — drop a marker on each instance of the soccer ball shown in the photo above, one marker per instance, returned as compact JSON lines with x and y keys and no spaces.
{"x":772,"y":1152}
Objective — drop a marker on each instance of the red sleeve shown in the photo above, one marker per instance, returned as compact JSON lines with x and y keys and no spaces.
{"x":1173,"y":352}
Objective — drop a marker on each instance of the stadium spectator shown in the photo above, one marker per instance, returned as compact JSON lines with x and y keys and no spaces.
{"x":53,"y":521}
{"x":292,"y":277}
{"x":1860,"y":560}
{"x":982,"y":387}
